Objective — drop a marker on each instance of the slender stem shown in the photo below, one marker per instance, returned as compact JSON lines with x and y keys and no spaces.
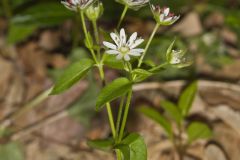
{"x":86,"y":35}
{"x":111,"y":120}
{"x":119,"y":115}
{"x":7,"y":8}
{"x":125,"y":115}
{"x":96,"y":34}
{"x":108,"y":106}
{"x":148,"y":44}
{"x":119,"y":155}
{"x":122,"y":16}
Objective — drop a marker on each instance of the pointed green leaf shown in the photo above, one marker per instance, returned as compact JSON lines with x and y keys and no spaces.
{"x":187,"y":97}
{"x":198,"y":130}
{"x":112,"y":91}
{"x":133,"y":147}
{"x":141,"y":74}
{"x":157,"y":117}
{"x":172,"y":110}
{"x":72,"y":75}
{"x":101,"y":144}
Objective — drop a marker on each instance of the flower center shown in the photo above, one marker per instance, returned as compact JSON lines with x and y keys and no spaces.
{"x":124,"y":50}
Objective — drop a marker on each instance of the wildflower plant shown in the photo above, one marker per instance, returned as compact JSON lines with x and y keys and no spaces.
{"x":175,"y":122}
{"x":128,"y":146}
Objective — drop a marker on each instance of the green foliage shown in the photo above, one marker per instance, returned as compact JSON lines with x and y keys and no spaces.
{"x":157,"y":117}
{"x":115,"y":89}
{"x":141,"y":74}
{"x":72,"y":75}
{"x":42,"y":14}
{"x":11,"y":151}
{"x":173,"y":111}
{"x":18,"y":33}
{"x":133,"y":147}
{"x":186,"y":98}
{"x":198,"y":130}
{"x":102,"y":144}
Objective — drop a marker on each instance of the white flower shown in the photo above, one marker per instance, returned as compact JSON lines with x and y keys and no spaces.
{"x":123,"y":48}
{"x":74,"y":5}
{"x":134,"y":4}
{"x":176,"y":57}
{"x":163,"y":15}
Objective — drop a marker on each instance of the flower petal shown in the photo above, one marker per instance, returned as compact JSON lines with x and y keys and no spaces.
{"x":109,"y":45}
{"x":119,"y":56}
{"x":115,"y":38}
{"x":168,"y":19}
{"x":161,"y":17}
{"x":137,"y":50}
{"x":136,"y":43}
{"x":166,"y":11}
{"x":112,"y":52}
{"x":134,"y":53}
{"x":126,"y":57}
{"x":132,"y":39}
{"x":123,"y":36}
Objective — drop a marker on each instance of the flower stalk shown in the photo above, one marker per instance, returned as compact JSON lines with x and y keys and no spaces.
{"x":122,"y":16}
{"x":148,"y":44}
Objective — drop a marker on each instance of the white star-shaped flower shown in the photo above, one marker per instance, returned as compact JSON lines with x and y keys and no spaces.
{"x":134,"y":4}
{"x":77,"y":4}
{"x":123,"y":48}
{"x":163,"y":15}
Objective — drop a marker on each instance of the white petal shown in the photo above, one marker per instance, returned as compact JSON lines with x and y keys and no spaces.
{"x":136,"y":43}
{"x":132,"y":39}
{"x":137,"y":50}
{"x":168,"y":19}
{"x":116,"y":39}
{"x":126,"y":57}
{"x":109,"y":45}
{"x":134,"y":53}
{"x":166,"y":11}
{"x":120,"y":56}
{"x":161,"y":17}
{"x":123,"y":36}
{"x":112,"y":52}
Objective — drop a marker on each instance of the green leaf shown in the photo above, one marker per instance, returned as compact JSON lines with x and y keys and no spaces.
{"x":112,"y":62}
{"x":187,"y":97}
{"x":72,"y":75}
{"x":11,"y":151}
{"x":141,"y":74}
{"x":112,"y":91}
{"x":101,"y":144}
{"x":133,"y":147}
{"x":157,"y":117}
{"x":18,"y":33}
{"x":44,"y":14}
{"x":169,"y":51}
{"x":198,"y":130}
{"x":172,"y":110}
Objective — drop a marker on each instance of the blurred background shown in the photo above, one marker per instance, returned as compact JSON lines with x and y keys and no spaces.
{"x":39,"y":38}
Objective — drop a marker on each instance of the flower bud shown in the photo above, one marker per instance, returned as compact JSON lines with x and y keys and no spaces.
{"x":133,"y":4}
{"x":94,"y":11}
{"x":163,"y":15}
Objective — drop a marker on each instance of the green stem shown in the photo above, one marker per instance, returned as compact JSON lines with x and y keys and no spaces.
{"x":125,"y":115}
{"x":108,"y":106}
{"x":86,"y":35}
{"x":148,"y":44}
{"x":7,"y":8}
{"x":119,"y":155}
{"x":96,"y":34}
{"x":120,"y":115}
{"x":122,"y":16}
